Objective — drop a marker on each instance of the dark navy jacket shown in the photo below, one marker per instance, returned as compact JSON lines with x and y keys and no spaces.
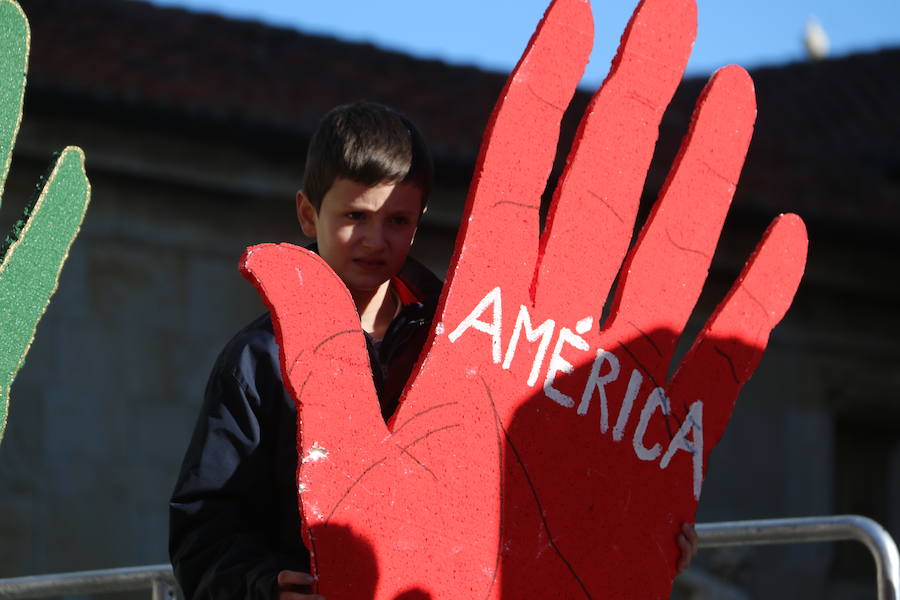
{"x":234,"y":521}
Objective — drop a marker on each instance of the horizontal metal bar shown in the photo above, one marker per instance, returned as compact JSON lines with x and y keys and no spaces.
{"x":87,"y":582}
{"x":160,"y":580}
{"x":814,"y":529}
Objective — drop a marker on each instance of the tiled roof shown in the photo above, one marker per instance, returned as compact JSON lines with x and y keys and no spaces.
{"x":826,"y":142}
{"x":127,"y":51}
{"x":828,"y":139}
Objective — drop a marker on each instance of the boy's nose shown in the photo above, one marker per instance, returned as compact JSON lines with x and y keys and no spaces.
{"x":373,"y":237}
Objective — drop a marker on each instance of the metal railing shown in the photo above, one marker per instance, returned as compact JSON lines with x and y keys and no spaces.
{"x":814,"y":529}
{"x":157,"y":578}
{"x":161,"y":582}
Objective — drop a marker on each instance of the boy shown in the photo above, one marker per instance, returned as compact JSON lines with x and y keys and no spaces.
{"x":235,"y":525}
{"x":234,"y":520}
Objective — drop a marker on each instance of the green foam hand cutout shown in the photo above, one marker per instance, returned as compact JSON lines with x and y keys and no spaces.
{"x":37,"y":246}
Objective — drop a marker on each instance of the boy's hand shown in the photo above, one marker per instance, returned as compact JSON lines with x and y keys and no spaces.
{"x":295,"y":585}
{"x":688,"y":545}
{"x":534,"y":454}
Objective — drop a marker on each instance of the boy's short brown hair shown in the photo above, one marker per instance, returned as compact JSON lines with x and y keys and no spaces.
{"x":370,"y":144}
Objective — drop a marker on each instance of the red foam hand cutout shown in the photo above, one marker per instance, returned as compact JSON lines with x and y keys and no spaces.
{"x":534,"y":454}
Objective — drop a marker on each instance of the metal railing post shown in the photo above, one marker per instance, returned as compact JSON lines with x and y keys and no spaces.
{"x":814,"y":529}
{"x":163,"y":590}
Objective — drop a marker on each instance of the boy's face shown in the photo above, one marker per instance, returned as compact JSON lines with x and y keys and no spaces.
{"x":363,"y":233}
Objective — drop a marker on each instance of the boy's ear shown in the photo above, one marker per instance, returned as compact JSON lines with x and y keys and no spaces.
{"x":306,"y":215}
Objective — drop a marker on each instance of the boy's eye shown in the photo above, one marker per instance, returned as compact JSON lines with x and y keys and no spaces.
{"x":400,"y":220}
{"x":354,"y":216}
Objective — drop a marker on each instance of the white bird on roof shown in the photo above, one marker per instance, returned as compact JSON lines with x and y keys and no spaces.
{"x":815,"y":39}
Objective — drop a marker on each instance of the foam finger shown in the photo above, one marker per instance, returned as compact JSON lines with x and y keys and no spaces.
{"x":497,"y":243}
{"x":728,"y":349}
{"x":323,"y":354}
{"x":594,"y":206}
{"x":15,"y":46}
{"x":666,"y":270}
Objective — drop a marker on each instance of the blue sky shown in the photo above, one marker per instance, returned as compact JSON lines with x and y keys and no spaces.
{"x":492,"y":33}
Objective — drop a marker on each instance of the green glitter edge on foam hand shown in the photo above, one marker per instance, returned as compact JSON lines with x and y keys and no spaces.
{"x":37,"y":246}
{"x":15,"y":43}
